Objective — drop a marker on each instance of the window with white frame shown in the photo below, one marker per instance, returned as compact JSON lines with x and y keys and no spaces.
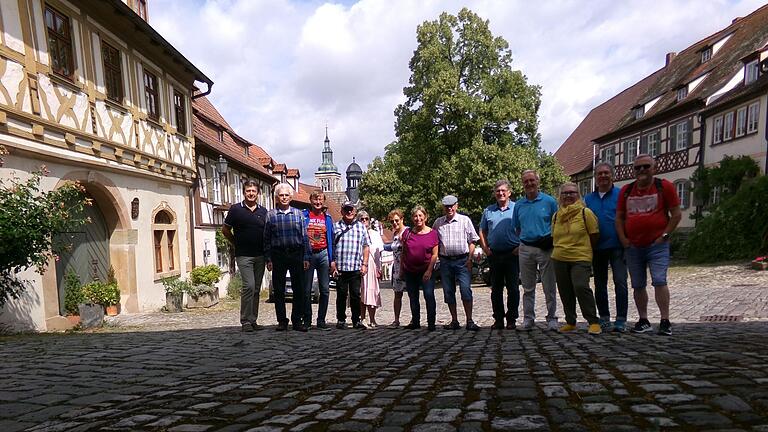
{"x":751,"y":72}
{"x":650,"y":144}
{"x":680,"y":134}
{"x":752,"y":117}
{"x":630,"y":150}
{"x":682,"y":92}
{"x":684,"y":192}
{"x":715,"y":194}
{"x":728,"y":126}
{"x":717,"y":130}
{"x":585,"y":187}
{"x":607,"y":154}
{"x":741,"y":121}
{"x":203,"y":177}
{"x":706,"y":54}
{"x":639,"y":112}
{"x":238,"y":188}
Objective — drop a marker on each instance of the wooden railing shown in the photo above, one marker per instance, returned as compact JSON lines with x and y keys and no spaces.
{"x":665,"y":162}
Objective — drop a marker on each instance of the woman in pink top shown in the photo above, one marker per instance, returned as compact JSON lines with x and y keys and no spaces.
{"x":416,"y":264}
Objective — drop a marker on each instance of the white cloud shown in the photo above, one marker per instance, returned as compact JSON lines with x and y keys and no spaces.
{"x":283,"y":68}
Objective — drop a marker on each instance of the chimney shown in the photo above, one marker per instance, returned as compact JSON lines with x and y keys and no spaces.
{"x":670,"y":56}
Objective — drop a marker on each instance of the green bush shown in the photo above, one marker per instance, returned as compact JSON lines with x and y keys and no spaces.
{"x":175,"y":285}
{"x":73,"y":293}
{"x":102,"y":293}
{"x":235,"y":286}
{"x":205,"y":275}
{"x":30,"y":218}
{"x":736,"y":229}
{"x":196,"y":291}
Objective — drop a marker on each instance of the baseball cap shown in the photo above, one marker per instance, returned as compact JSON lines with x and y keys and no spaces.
{"x":348,"y":204}
{"x":450,"y":200}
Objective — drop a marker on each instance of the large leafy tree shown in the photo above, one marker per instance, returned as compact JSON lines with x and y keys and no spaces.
{"x":468,"y":120}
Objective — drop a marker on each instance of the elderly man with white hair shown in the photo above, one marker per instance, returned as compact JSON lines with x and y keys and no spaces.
{"x":286,"y":249}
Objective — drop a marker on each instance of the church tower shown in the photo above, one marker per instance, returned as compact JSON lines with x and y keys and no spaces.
{"x":327,"y":176}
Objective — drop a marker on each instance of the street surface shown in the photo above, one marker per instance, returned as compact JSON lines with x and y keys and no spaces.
{"x":195,"y":371}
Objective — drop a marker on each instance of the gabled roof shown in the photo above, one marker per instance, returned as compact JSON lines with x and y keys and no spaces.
{"x":746,"y":35}
{"x":293,"y":172}
{"x":575,"y":154}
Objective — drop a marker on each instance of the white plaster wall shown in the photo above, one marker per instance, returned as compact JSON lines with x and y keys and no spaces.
{"x":753,"y":145}
{"x":12,"y":35}
{"x":150,"y":192}
{"x":10,"y":80}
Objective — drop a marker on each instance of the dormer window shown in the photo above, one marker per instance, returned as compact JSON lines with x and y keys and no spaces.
{"x":221,"y":135}
{"x":706,"y":54}
{"x":682,"y":92}
{"x":247,"y":152}
{"x":751,"y":72}
{"x":639,"y":112}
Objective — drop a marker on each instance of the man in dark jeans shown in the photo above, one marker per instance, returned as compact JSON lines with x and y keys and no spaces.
{"x":286,"y":249}
{"x":350,"y":264}
{"x":500,"y":244}
{"x":320,"y":233}
{"x":247,"y":218}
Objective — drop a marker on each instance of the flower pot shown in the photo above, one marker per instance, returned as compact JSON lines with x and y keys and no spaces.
{"x":174,"y":302}
{"x":204,"y":300}
{"x":74,"y":320}
{"x":113,"y":310}
{"x":760,"y":265}
{"x":91,"y":315}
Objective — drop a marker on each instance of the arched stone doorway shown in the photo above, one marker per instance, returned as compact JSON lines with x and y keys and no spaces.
{"x":87,"y":254}
{"x":112,"y":230}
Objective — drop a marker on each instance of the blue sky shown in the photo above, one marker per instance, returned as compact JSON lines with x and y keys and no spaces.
{"x":283,"y":68}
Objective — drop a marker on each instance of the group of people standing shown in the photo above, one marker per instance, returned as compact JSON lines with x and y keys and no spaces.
{"x":560,"y":242}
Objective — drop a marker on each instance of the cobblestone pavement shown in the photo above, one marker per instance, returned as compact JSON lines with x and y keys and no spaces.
{"x":196,"y":372}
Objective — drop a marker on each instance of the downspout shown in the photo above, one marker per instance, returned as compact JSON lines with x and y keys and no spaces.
{"x":702,"y":150}
{"x":192,"y":219}
{"x":765,"y":171}
{"x":594,"y":156}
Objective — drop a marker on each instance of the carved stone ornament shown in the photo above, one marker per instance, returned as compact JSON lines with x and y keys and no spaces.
{"x":135,"y":209}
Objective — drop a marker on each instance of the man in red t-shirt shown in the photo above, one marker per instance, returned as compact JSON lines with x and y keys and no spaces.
{"x":647,"y":212}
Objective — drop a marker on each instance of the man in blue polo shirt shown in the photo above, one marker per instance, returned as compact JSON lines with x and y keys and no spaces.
{"x":500,"y":244}
{"x":609,"y":250}
{"x":533,"y":223}
{"x":247,"y":218}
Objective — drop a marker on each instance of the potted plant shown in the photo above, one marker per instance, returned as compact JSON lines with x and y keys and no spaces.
{"x":73,"y":296}
{"x":174,"y":293}
{"x":203,"y":291}
{"x":112,"y":294}
{"x":92,"y":311}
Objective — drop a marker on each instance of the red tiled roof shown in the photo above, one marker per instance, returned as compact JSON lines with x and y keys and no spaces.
{"x":575,"y":155}
{"x":205,"y":107}
{"x":302,"y":195}
{"x":746,"y":35}
{"x":293,"y":172}
{"x":279,"y":168}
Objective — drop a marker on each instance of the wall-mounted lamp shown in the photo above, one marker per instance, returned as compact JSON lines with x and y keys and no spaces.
{"x":222,"y":165}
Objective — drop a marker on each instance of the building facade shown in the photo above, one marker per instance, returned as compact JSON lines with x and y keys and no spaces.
{"x":98,"y":96}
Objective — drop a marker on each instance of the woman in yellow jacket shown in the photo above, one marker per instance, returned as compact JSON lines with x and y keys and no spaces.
{"x":574,"y":233}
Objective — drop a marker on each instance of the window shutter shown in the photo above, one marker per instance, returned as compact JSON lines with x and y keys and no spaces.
{"x":644,"y":144}
{"x":689,"y":130}
{"x":672,"y":141}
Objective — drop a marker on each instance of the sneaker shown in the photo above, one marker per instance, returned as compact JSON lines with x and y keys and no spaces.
{"x":605,"y":324}
{"x":341,"y":325}
{"x":619,"y":327}
{"x":553,"y":325}
{"x":257,"y":327}
{"x":594,"y":329}
{"x":372,"y":325}
{"x":498,"y":325}
{"x":323,"y":326}
{"x":665,"y":328}
{"x":527,"y":325}
{"x":394,"y":325}
{"x":454,"y":325}
{"x":642,"y":326}
{"x":359,"y":325}
{"x":247,"y":327}
{"x":565,"y":328}
{"x":472,"y":326}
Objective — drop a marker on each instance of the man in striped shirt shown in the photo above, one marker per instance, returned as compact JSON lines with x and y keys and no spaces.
{"x":457,"y":246}
{"x":350,"y":264}
{"x":286,"y":249}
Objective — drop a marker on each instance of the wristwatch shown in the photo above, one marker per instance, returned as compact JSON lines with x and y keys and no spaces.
{"x":665,"y":236}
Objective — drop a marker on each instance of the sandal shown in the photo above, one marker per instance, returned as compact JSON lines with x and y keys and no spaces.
{"x":394,"y":325}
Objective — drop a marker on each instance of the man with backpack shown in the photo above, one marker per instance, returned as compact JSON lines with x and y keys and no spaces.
{"x":647,"y":213}
{"x":349,"y":264}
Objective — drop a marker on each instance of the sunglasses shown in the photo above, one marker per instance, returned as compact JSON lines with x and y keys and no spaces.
{"x":642,"y":167}
{"x":364,"y":219}
{"x":347,"y":209}
{"x":569,"y":193}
